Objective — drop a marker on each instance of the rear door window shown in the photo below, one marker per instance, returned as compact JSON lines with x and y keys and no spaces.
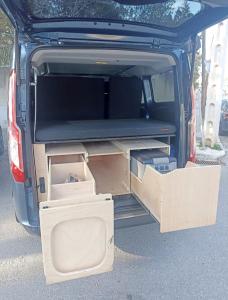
{"x":171,"y":13}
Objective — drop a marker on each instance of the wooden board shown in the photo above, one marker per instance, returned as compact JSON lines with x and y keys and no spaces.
{"x":138,"y":144}
{"x":148,"y":191}
{"x":190,"y":198}
{"x":184,"y":198}
{"x":101,"y":148}
{"x":78,"y":199}
{"x":111,"y":174}
{"x":71,"y":158}
{"x":41,"y":168}
{"x":77,"y":240}
{"x":65,"y":149}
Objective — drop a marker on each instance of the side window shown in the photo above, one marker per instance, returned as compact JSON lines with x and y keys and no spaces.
{"x":163,"y":87}
{"x":147,"y":90}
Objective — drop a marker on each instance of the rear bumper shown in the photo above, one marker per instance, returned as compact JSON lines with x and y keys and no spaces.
{"x":26,"y":211}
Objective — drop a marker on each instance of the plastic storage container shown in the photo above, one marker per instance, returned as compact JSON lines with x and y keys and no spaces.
{"x":156,"y":158}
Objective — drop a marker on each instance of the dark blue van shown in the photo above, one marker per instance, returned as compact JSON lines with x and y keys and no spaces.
{"x":92,"y":80}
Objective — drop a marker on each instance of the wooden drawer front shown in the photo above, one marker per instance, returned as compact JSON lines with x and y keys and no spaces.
{"x":184,"y":198}
{"x":77,"y":238}
{"x":59,"y":188}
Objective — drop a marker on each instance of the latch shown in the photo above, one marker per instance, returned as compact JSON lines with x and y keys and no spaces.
{"x":41,"y":185}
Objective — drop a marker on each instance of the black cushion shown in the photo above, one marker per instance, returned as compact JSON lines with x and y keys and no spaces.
{"x":125,"y":95}
{"x":70,"y":98}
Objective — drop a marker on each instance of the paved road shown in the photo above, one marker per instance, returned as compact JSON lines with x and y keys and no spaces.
{"x":190,"y":264}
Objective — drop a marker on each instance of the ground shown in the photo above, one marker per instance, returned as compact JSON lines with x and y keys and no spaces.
{"x":191,"y":264}
{"x":224,"y":140}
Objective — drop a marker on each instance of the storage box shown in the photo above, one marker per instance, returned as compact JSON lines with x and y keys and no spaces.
{"x":59,"y":187}
{"x":156,"y":158}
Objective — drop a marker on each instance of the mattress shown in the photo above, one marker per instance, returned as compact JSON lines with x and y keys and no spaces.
{"x":100,"y":129}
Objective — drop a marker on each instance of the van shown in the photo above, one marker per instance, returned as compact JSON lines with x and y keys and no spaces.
{"x":92,"y":81}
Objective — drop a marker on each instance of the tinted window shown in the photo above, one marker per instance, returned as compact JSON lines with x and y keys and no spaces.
{"x":163,"y":87}
{"x":171,"y":13}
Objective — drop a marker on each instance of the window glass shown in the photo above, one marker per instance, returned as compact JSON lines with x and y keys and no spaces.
{"x":163,"y":87}
{"x":171,"y":13}
{"x":147,"y":89}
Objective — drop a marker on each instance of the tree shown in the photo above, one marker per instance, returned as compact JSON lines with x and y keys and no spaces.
{"x":166,"y":14}
{"x":197,"y":71}
{"x":6,"y":39}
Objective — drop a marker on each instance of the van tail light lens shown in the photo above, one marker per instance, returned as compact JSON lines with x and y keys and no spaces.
{"x":193,"y":129}
{"x":15,"y":141}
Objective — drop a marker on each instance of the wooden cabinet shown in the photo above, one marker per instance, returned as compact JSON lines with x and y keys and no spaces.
{"x":76,"y":218}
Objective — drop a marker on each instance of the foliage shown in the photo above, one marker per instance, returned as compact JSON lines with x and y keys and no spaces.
{"x":217,"y":147}
{"x":6,"y":39}
{"x":167,"y":13}
{"x":197,"y":71}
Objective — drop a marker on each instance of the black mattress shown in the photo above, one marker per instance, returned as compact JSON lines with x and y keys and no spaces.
{"x":100,"y":129}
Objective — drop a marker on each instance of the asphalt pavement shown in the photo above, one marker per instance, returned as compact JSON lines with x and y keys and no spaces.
{"x":190,"y":264}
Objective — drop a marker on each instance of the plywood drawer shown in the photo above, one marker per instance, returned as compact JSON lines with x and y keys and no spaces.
{"x":184,"y":198}
{"x":59,"y":187}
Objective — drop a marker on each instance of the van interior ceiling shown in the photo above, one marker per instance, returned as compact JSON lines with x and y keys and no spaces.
{"x":84,"y":95}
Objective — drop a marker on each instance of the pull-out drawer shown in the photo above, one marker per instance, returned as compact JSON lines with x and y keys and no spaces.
{"x":184,"y":198}
{"x":60,"y":186}
{"x":77,"y":238}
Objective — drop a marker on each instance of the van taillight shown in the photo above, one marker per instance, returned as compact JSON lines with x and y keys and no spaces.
{"x":15,"y":141}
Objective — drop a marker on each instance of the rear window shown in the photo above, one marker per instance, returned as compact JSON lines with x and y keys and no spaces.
{"x":171,"y":13}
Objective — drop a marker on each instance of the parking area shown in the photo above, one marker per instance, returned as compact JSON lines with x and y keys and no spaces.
{"x":190,"y":264}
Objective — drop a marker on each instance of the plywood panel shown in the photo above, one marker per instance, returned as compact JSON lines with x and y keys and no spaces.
{"x":148,"y":191}
{"x":101,"y":148}
{"x":77,"y":240}
{"x":111,"y":174}
{"x":41,"y":168}
{"x":190,"y":198}
{"x":65,"y":149}
{"x":78,"y":199}
{"x":184,"y":198}
{"x":60,"y":159}
{"x":138,"y":144}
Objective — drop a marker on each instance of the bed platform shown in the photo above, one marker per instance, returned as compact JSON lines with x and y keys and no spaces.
{"x":100,"y":129}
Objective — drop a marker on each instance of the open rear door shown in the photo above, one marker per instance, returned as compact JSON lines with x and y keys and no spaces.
{"x":77,"y":238}
{"x":174,"y":20}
